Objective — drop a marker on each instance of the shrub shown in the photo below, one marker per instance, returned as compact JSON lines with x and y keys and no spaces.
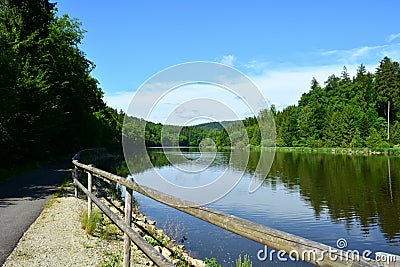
{"x":90,"y":223}
{"x":211,"y":262}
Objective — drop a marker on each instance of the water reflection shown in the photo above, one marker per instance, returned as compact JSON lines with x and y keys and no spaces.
{"x":352,"y":188}
{"x":318,"y":196}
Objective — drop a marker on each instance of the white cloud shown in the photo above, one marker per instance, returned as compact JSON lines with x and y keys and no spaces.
{"x":359,"y":55}
{"x":392,"y":37}
{"x":228,"y":60}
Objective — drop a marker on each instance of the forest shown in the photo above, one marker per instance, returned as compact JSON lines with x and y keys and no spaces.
{"x":51,"y":105}
{"x":346,"y":111}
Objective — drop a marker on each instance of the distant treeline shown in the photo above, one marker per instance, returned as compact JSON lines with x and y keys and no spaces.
{"x":223,"y":135}
{"x":346,"y":111}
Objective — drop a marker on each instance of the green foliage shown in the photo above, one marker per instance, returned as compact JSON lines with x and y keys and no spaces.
{"x":91,"y":222}
{"x":115,"y":261}
{"x":50,"y":103}
{"x":152,"y":241}
{"x":211,"y":262}
{"x":246,"y":262}
{"x":346,"y":112}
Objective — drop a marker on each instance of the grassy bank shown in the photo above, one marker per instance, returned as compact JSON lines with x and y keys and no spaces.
{"x":338,"y":150}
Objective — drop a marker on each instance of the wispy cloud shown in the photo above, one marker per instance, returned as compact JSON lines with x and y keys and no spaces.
{"x":228,"y":60}
{"x":392,"y":37}
{"x":361,"y":55}
{"x":256,"y":65}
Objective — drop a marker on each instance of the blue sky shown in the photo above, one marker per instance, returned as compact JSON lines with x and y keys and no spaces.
{"x":280,"y":45}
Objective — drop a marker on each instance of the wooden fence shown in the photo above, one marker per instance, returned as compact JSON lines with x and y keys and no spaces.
{"x":315,"y":253}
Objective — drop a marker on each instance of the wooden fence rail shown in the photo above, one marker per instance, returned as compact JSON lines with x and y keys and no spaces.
{"x":316,"y":253}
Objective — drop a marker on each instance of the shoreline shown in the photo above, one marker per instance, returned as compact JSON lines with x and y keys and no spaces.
{"x":343,"y":151}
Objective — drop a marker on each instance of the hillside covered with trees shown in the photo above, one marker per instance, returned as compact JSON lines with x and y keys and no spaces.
{"x":346,"y":111}
{"x":50,"y":104}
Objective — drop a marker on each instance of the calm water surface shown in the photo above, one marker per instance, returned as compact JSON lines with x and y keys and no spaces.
{"x":321,"y":197}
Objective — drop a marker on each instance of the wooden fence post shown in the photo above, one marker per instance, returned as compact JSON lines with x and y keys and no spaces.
{"x":75,"y":176}
{"x":89,"y":182}
{"x":128,"y":220}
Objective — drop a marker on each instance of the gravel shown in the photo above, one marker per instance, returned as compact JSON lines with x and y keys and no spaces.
{"x":56,"y":238}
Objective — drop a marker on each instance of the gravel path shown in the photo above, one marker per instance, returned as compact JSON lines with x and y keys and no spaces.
{"x":56,"y":238}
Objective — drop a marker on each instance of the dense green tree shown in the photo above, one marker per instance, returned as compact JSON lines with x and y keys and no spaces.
{"x":346,"y":112}
{"x":50,"y":103}
{"x":387,"y":84}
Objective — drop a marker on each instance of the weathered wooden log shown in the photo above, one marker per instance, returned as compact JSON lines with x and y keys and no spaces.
{"x":89,"y":200}
{"x":128,"y":221}
{"x":75,"y":176}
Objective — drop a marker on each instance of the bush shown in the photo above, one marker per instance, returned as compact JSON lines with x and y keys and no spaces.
{"x":211,"y":262}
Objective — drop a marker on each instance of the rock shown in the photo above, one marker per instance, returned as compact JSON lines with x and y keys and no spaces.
{"x":151,"y":228}
{"x":159,"y":232}
{"x":165,"y":252}
{"x":137,"y":229}
{"x":141,"y":224}
{"x":151,"y":222}
{"x":141,"y":218}
{"x":198,"y":263}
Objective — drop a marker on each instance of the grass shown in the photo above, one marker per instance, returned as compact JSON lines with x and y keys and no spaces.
{"x":86,"y":245}
{"x":114,"y":261}
{"x":246,"y":262}
{"x":174,"y":229}
{"x":109,"y":231}
{"x":90,"y":222}
{"x":51,"y":201}
{"x":152,"y":241}
{"x":97,"y":224}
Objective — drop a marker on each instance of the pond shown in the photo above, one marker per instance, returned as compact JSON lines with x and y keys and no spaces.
{"x":321,"y":197}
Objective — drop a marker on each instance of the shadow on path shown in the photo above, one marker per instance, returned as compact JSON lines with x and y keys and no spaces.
{"x":22,"y":198}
